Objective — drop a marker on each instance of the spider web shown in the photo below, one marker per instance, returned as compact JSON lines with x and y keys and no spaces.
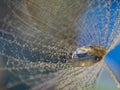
{"x":37,"y":39}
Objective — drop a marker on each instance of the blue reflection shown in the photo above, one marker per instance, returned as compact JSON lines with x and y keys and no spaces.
{"x":112,"y":59}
